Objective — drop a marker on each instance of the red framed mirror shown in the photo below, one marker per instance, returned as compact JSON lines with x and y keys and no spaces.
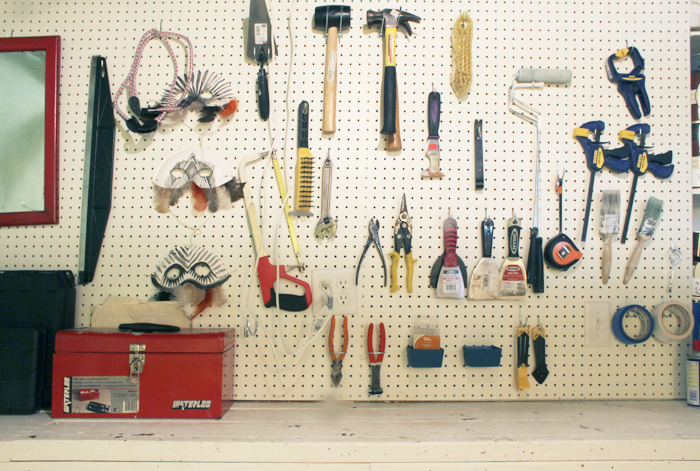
{"x":29,"y":88}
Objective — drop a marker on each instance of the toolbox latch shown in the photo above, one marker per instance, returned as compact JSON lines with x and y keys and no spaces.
{"x":136,"y":361}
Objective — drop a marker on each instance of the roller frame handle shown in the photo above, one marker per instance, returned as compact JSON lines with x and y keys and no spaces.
{"x":330,"y":83}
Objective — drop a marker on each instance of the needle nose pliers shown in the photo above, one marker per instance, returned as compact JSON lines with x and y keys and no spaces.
{"x":373,"y":236}
{"x":403,"y":237}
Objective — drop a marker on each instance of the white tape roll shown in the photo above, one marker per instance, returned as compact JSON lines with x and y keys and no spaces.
{"x":681,"y":313}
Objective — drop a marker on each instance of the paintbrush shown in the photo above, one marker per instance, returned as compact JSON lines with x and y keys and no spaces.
{"x":609,"y":226}
{"x":652,"y":214}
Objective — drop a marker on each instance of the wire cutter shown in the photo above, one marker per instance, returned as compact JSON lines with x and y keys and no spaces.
{"x":403,"y":235}
{"x":375,"y":357}
{"x":373,"y":236}
{"x":337,"y":357}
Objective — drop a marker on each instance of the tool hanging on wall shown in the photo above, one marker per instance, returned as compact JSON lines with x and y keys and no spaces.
{"x":674,"y":258}
{"x":485,"y":282}
{"x":403,"y":238}
{"x":393,"y":141}
{"x":513,"y":279}
{"x":326,"y":226}
{"x":290,"y":223}
{"x":479,"y":154}
{"x":390,"y":20}
{"x":609,"y":226}
{"x":376,"y":357}
{"x":267,"y":272}
{"x":632,"y":86}
{"x":97,"y":174}
{"x":535,"y":79}
{"x":523,"y":352}
{"x":461,"y":39}
{"x":304,"y":173}
{"x":540,"y":372}
{"x":596,"y":158}
{"x":146,"y":120}
{"x":560,"y":252}
{"x":337,"y":356}
{"x":658,"y":165}
{"x":332,"y":20}
{"x":433,"y":150}
{"x":373,"y":237}
{"x":652,"y":214}
{"x":449,"y":274}
{"x":259,"y":44}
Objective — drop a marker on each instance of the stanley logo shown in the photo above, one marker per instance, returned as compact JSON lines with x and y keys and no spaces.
{"x":514,"y":242}
{"x":66,"y":395}
{"x":188,"y":405}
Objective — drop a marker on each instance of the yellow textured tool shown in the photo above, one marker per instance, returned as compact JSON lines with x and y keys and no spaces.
{"x":304,"y":173}
{"x":462,"y":55}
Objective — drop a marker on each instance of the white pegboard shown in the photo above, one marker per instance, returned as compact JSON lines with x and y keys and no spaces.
{"x":369,"y":182}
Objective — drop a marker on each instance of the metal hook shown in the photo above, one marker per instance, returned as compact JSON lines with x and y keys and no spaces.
{"x":247,"y":331}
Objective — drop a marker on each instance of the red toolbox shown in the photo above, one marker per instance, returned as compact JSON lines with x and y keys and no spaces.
{"x":111,"y":374}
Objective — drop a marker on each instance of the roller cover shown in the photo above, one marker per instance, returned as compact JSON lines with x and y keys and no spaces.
{"x":549,"y":76}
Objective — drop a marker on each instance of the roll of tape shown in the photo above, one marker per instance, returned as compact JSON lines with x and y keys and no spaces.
{"x":645,"y":319}
{"x":676,"y":310}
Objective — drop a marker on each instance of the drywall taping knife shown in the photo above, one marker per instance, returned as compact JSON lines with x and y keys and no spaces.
{"x":267,"y":272}
{"x":99,"y":162}
{"x":290,"y":223}
{"x":259,"y":50}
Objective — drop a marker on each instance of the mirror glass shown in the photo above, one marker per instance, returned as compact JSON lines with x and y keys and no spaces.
{"x":28,"y":117}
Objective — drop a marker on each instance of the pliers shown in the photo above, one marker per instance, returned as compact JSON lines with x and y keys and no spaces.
{"x":337,"y":357}
{"x":373,"y":236}
{"x":375,"y":357}
{"x":403,"y":235}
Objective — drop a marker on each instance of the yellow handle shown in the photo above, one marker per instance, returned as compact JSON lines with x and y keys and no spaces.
{"x":390,"y":46}
{"x":394,"y":270}
{"x":409,"y":265}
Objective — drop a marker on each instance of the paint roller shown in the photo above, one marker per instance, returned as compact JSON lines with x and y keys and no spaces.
{"x":530,"y":79}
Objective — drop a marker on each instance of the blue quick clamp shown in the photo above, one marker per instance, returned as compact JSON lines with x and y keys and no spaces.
{"x":645,"y":320}
{"x":631,"y":85}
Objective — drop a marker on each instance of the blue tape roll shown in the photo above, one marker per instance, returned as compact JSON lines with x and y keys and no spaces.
{"x":644,"y":317}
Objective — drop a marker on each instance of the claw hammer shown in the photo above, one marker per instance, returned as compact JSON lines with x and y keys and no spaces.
{"x":331,"y":19}
{"x":390,"y":20}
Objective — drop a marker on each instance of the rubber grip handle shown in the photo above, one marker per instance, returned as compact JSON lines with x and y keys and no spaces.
{"x":537,"y":257}
{"x":263,"y":95}
{"x":389,"y":101}
{"x":513,"y":239}
{"x":409,"y":266}
{"x":395,"y":257}
{"x":303,"y":129}
{"x":433,"y":114}
{"x":487,"y":227}
{"x":288,"y":302}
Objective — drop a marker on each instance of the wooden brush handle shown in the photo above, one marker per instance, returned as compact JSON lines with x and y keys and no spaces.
{"x":607,"y":259}
{"x":330,"y":84}
{"x":634,"y":260}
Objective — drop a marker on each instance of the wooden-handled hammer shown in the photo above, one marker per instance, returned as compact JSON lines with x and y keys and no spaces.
{"x":331,"y":19}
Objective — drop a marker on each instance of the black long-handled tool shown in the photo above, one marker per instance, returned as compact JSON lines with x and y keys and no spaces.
{"x":560,"y":252}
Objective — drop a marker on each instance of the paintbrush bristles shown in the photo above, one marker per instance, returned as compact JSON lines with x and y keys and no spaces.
{"x":610,"y":213}
{"x":652,"y":214}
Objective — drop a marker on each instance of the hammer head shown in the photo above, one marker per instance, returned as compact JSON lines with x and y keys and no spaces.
{"x":392,"y":18}
{"x":332,"y":16}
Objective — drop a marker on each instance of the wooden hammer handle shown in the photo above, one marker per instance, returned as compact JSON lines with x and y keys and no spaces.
{"x":331,"y":80}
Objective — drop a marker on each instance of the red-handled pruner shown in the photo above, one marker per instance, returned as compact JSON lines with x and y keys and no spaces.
{"x":375,"y":357}
{"x":267,"y":272}
{"x":337,"y":357}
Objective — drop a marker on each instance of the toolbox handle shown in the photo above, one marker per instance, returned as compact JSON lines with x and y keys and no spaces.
{"x":147,"y":327}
